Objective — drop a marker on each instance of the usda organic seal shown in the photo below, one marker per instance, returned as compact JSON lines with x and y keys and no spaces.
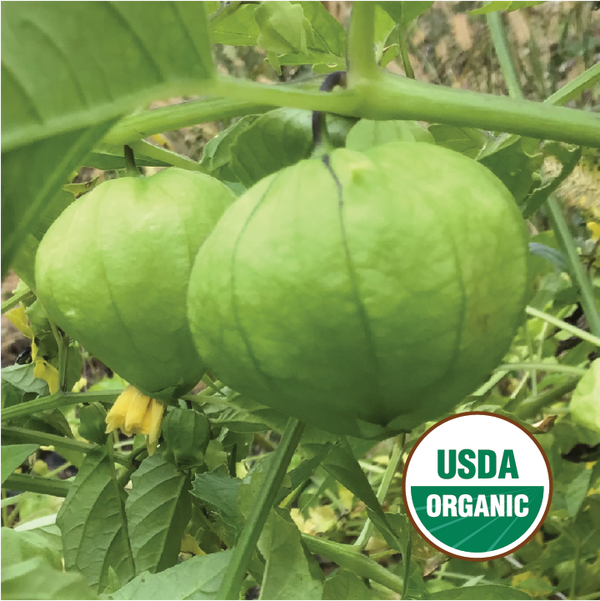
{"x":477,"y":486}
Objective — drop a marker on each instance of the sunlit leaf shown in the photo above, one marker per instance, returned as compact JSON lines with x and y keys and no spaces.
{"x":93,"y":526}
{"x":158,"y":510}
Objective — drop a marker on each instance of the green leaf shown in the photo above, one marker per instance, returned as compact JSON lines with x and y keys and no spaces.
{"x":291,"y":572}
{"x":49,"y":128}
{"x":482,"y":591}
{"x":492,"y":7}
{"x":37,"y":579}
{"x":466,"y":140}
{"x":585,"y":402}
{"x":238,"y":28}
{"x":302,"y":33}
{"x":158,"y":510}
{"x":21,"y":377}
{"x":283,"y":27}
{"x":21,"y":546}
{"x":197,"y":578}
{"x":216,"y":157}
{"x":219,"y":490}
{"x":367,"y":134}
{"x":13,"y":456}
{"x":517,"y":166}
{"x":275,"y":140}
{"x":346,"y":585}
{"x":405,"y":12}
{"x":244,"y":415}
{"x":569,"y":159}
{"x":93,"y":525}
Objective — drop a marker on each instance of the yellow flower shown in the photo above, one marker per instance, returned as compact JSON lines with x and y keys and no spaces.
{"x":136,"y":413}
{"x":594,"y":228}
{"x":42,"y":369}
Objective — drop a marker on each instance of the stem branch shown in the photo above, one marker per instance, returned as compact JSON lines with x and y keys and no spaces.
{"x":243,"y":550}
{"x":361,"y":43}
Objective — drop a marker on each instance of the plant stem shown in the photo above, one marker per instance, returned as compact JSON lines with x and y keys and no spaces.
{"x":574,"y":88}
{"x":168,"y":118}
{"x":565,"y":369}
{"x":8,"y":501}
{"x":531,"y":407}
{"x":58,"y":400}
{"x":361,"y":43}
{"x":388,"y":475}
{"x":131,"y":466}
{"x":507,"y":66}
{"x":563,"y":325}
{"x":244,"y":548}
{"x":56,"y":488}
{"x":532,"y":373}
{"x":15,"y":299}
{"x":59,"y":442}
{"x":130,"y":166}
{"x":403,"y":46}
{"x":577,"y":271}
{"x":350,"y":558}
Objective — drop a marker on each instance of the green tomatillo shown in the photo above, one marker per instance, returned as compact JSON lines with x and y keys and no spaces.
{"x":112,"y":272}
{"x":364,"y":293}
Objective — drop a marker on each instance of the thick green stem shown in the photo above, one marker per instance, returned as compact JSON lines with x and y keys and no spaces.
{"x":168,"y":118}
{"x":59,"y":442}
{"x":244,"y":548}
{"x":576,"y":268}
{"x":386,"y":97}
{"x":530,"y":408}
{"x":23,"y":482}
{"x":58,"y":400}
{"x":361,"y":43}
{"x":500,"y":41}
{"x":393,"y":97}
{"x":351,"y":559}
{"x":388,"y":475}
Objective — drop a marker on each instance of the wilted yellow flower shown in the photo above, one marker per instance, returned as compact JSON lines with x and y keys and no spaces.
{"x":42,"y":369}
{"x":136,"y":413}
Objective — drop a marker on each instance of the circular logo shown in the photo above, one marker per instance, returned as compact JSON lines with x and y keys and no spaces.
{"x":477,"y":486}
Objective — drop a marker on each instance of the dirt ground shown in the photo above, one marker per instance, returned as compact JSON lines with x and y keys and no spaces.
{"x":13,"y":342}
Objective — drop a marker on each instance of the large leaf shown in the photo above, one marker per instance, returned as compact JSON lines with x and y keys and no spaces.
{"x":22,"y":546}
{"x":275,"y":140}
{"x":93,"y":526}
{"x":219,"y":490}
{"x":197,"y":578}
{"x":291,"y":572}
{"x":35,"y":578}
{"x":13,"y":456}
{"x":69,"y":71}
{"x":22,"y":378}
{"x":303,"y":33}
{"x":158,"y":510}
